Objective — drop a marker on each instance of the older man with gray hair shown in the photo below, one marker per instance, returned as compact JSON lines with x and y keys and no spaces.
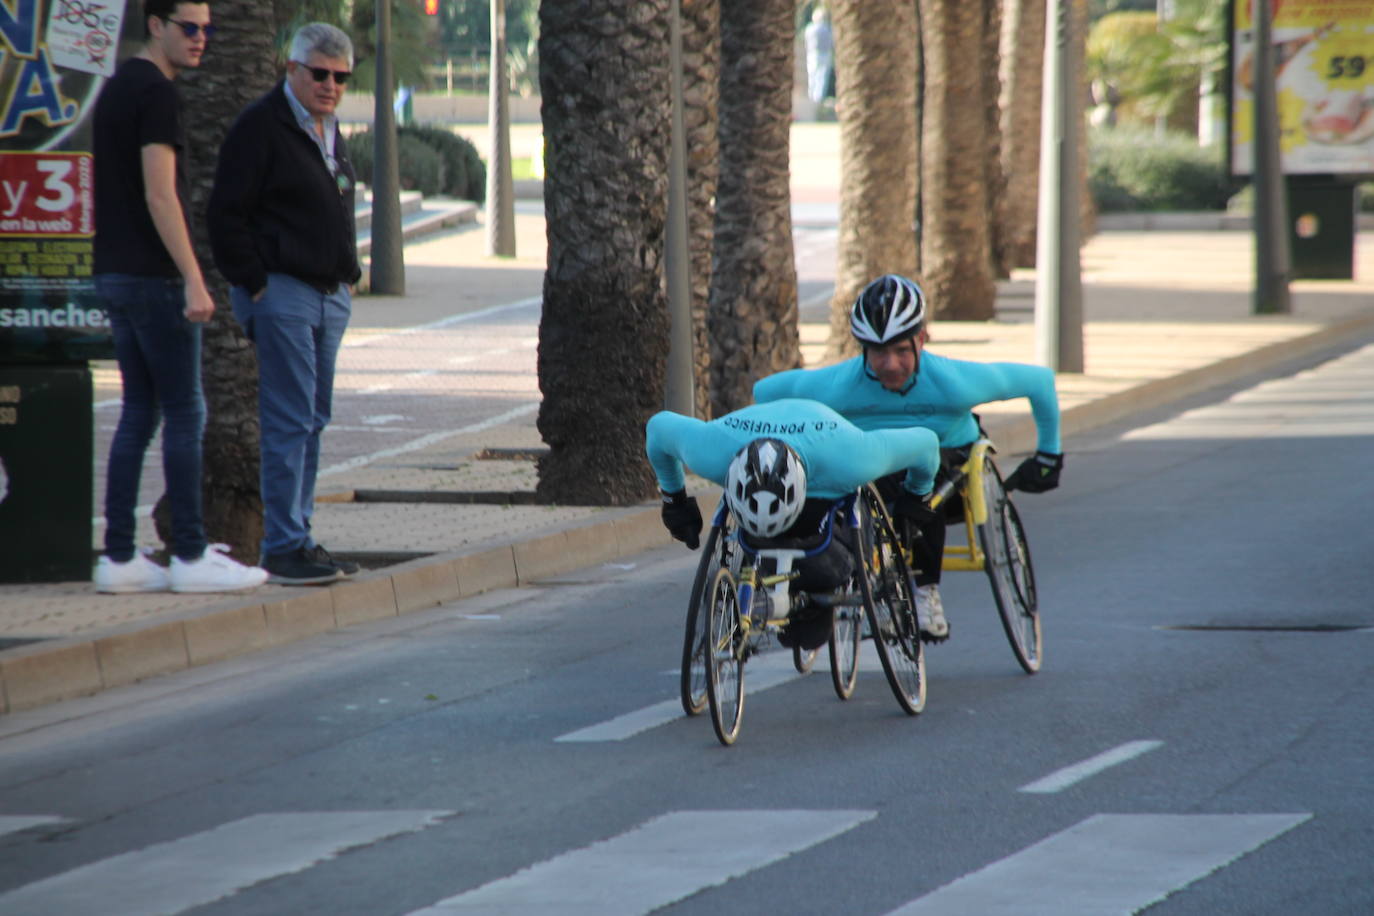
{"x":282,"y":231}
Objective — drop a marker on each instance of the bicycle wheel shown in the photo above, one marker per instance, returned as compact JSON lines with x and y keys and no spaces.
{"x":846,"y":629}
{"x":725,"y":658}
{"x":891,"y":607}
{"x":803,"y":659}
{"x":1008,"y":565}
{"x":719,"y":552}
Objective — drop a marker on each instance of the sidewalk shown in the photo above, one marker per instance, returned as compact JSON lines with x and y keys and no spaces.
{"x":1167,"y":314}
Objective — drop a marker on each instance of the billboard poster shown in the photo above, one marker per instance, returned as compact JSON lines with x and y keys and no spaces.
{"x":55,"y":55}
{"x":1324,"y":63}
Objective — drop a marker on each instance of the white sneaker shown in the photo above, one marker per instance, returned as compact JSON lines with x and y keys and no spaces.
{"x":215,"y":571}
{"x":930,"y":613}
{"x":137,"y":575}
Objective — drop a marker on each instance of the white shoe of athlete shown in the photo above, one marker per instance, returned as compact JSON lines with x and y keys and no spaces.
{"x":930,"y":614}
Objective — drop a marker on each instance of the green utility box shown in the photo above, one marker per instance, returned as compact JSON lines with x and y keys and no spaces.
{"x":1321,"y":228}
{"x":46,"y":455}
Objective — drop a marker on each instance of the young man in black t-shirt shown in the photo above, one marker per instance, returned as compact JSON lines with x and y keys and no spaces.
{"x":147,"y":274}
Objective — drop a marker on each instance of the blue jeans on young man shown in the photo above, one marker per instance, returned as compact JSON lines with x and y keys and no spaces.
{"x":158,"y":351}
{"x":297,"y":329}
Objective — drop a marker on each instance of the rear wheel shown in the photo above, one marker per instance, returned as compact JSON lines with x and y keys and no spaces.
{"x":720,"y":551}
{"x":725,"y":658}
{"x":891,"y":607}
{"x":1008,"y":565}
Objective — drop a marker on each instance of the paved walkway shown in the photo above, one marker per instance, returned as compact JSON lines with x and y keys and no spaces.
{"x":1167,"y":314}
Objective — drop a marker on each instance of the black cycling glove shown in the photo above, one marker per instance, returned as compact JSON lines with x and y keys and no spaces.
{"x":682,"y":517}
{"x":1036,"y":474}
{"x":914,"y":509}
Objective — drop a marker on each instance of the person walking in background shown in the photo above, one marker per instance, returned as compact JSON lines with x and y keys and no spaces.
{"x":820,"y":56}
{"x":153,"y":290}
{"x":283,"y":234}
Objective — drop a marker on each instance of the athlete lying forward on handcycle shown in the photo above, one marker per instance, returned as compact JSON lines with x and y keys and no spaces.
{"x":783,"y":466}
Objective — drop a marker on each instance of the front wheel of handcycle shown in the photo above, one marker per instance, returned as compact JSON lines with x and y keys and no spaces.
{"x":803,"y":659}
{"x":715,"y":554}
{"x":1008,"y":565}
{"x":725,"y":658}
{"x":891,"y":606}
{"x":846,"y":630}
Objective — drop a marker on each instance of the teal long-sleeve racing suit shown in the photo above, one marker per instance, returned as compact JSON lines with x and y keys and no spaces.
{"x":940,"y":396}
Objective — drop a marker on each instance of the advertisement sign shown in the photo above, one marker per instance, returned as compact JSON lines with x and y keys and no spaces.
{"x":55,"y":56}
{"x":1324,"y":63}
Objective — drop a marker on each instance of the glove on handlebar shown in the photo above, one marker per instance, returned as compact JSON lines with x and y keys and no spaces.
{"x":1036,"y":474}
{"x":914,"y":509}
{"x":682,"y":517}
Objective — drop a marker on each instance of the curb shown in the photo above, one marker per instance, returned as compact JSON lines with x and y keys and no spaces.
{"x":55,"y":670}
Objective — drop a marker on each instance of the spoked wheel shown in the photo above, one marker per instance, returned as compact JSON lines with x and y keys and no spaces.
{"x":891,"y":607}
{"x":718,"y":553}
{"x":803,"y":659}
{"x":1008,"y":566}
{"x":725,"y":658}
{"x":846,"y":629}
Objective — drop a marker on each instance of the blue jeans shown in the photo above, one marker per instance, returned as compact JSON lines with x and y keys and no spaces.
{"x":159,"y":360}
{"x":297,"y":330}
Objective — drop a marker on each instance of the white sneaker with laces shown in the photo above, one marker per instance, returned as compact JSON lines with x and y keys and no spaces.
{"x":137,"y":575}
{"x":215,"y":571}
{"x":930,"y":612}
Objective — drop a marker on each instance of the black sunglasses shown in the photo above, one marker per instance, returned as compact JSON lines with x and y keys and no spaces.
{"x":192,"y":29}
{"x":320,"y":74}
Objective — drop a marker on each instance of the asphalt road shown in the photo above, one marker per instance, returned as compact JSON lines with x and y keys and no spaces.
{"x":1200,"y":733}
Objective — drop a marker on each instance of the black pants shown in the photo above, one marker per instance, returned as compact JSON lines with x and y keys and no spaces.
{"x":827,"y":571}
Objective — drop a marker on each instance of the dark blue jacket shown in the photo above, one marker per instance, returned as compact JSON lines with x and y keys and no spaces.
{"x":275,"y":208}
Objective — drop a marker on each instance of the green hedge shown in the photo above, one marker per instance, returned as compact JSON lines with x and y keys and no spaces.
{"x":431,"y":160}
{"x":1131,"y":169}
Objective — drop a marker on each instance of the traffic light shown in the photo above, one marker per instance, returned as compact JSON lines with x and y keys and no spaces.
{"x":431,"y":7}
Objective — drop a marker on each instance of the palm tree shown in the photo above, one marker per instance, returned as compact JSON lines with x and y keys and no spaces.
{"x":603,"y":338}
{"x":701,"y":98}
{"x":1022,"y":75}
{"x":875,"y":82}
{"x":241,"y":65}
{"x":753,"y":300}
{"x":956,"y":258}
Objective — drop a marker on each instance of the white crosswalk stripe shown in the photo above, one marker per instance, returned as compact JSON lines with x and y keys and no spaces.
{"x":667,"y":859}
{"x":223,"y":860}
{"x":1109,"y":863}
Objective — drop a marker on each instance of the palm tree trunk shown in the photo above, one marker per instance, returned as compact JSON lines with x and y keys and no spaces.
{"x":1022,"y":66}
{"x":240,"y":66}
{"x":603,"y":337}
{"x":995,"y":181}
{"x":753,"y":299}
{"x":701,"y":99}
{"x":956,"y":258}
{"x":875,"y":83}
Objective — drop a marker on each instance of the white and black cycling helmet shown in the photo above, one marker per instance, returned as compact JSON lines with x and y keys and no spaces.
{"x":889,"y":310}
{"x":766,"y":487}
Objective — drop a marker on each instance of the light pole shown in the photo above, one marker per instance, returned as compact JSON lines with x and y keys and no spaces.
{"x":388,"y":275}
{"x":500,"y":185}
{"x":679,"y":390}
{"x":1273,"y":260}
{"x":1058,"y":281}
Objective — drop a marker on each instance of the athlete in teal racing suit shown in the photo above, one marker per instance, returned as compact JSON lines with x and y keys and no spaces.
{"x":784,"y":465}
{"x":896,"y":384}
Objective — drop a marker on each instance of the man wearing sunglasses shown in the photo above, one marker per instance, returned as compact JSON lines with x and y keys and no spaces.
{"x":151,"y":284}
{"x":282,"y":231}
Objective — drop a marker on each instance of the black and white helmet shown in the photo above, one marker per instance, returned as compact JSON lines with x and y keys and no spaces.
{"x":890,"y":309}
{"x":765,"y":487}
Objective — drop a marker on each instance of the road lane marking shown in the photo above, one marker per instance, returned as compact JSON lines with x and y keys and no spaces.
{"x":1062,"y":779}
{"x":763,"y":672}
{"x":1109,"y":863}
{"x":428,"y":440}
{"x":201,"y":868}
{"x":13,"y":823}
{"x":487,"y":312}
{"x":656,"y":864}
